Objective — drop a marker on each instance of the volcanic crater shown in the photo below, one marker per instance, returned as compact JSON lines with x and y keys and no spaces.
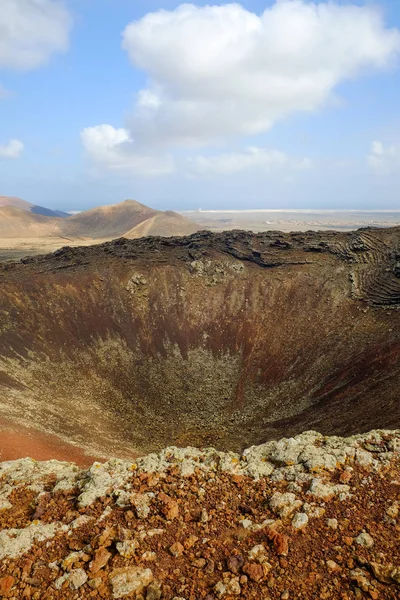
{"x":223,"y":340}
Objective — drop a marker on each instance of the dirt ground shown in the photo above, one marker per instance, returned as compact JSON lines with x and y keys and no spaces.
{"x":16,"y":248}
{"x":17,"y":441}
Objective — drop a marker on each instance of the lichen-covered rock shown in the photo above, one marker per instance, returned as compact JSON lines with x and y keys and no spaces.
{"x":229,"y":586}
{"x":14,"y":542}
{"x":325,"y":491}
{"x":299,"y":520}
{"x":365,"y":540}
{"x":284,"y":504}
{"x":212,"y":526}
{"x":130,"y":580}
{"x":77,"y":578}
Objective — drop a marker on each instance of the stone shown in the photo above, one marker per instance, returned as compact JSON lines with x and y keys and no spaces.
{"x":364,"y":458}
{"x":254,"y":571}
{"x":77,"y":578}
{"x":332,"y":566}
{"x":234,"y":563}
{"x":149,"y":556}
{"x":59,"y":582}
{"x":286,"y":452}
{"x":101,"y":558}
{"x":228,"y":586}
{"x":176,"y":549}
{"x":190,"y":541}
{"x":70,"y":560}
{"x":15,"y":542}
{"x":128,"y":548}
{"x":130,"y":580}
{"x":385,"y":573}
{"x":154,"y":591}
{"x":360,"y":578}
{"x":258,"y":553}
{"x":326,"y":491}
{"x":141,"y":502}
{"x":395,"y":574}
{"x":299,"y":521}
{"x":365,"y":540}
{"x":280,"y":541}
{"x":199,"y":563}
{"x":171,"y":510}
{"x":332,"y":523}
{"x":284,"y":504}
{"x":204,"y":518}
{"x":6,"y":583}
{"x":313,"y":511}
{"x":392,"y":511}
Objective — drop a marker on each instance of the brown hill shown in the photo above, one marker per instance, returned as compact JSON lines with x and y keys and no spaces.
{"x":130,"y":218}
{"x":165,"y":224}
{"x":107,"y":221}
{"x":33,"y":208}
{"x":17,"y":202}
{"x":214,"y":339}
{"x":18,"y":222}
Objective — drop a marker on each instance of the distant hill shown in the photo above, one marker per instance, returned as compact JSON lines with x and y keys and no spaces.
{"x":129,"y":219}
{"x":108,"y":221}
{"x":33,"y":208}
{"x":163,"y":224}
{"x":17,"y":222}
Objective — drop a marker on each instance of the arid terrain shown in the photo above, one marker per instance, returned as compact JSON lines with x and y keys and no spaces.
{"x":26,"y":229}
{"x":292,"y":220}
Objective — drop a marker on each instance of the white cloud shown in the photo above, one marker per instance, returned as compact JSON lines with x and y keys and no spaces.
{"x":254,"y":158}
{"x":220,"y":71}
{"x":13,"y":149}
{"x":384,"y":159}
{"x":113,"y":148}
{"x":31,"y":31}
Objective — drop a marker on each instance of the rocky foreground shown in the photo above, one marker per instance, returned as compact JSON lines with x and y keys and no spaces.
{"x":305,"y":517}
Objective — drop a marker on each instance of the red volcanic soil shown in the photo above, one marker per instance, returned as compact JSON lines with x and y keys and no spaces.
{"x":324,"y":524}
{"x":17,"y":441}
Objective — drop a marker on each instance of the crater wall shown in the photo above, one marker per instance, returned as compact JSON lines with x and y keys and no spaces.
{"x":225,"y":339}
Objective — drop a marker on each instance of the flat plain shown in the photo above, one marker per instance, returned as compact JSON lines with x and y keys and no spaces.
{"x":292,"y":219}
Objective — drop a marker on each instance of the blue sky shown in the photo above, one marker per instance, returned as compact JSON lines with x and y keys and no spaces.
{"x":260,"y":105}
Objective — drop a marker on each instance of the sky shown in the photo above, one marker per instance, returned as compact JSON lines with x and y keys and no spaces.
{"x":258,"y":104}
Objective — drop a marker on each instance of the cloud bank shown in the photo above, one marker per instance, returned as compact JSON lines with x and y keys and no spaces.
{"x":216,"y":73}
{"x":113,"y":149}
{"x":13,"y":149}
{"x":221,"y":71}
{"x":252,"y":159}
{"x":31,"y":31}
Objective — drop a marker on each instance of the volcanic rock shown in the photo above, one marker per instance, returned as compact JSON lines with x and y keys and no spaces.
{"x":89,"y":544}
